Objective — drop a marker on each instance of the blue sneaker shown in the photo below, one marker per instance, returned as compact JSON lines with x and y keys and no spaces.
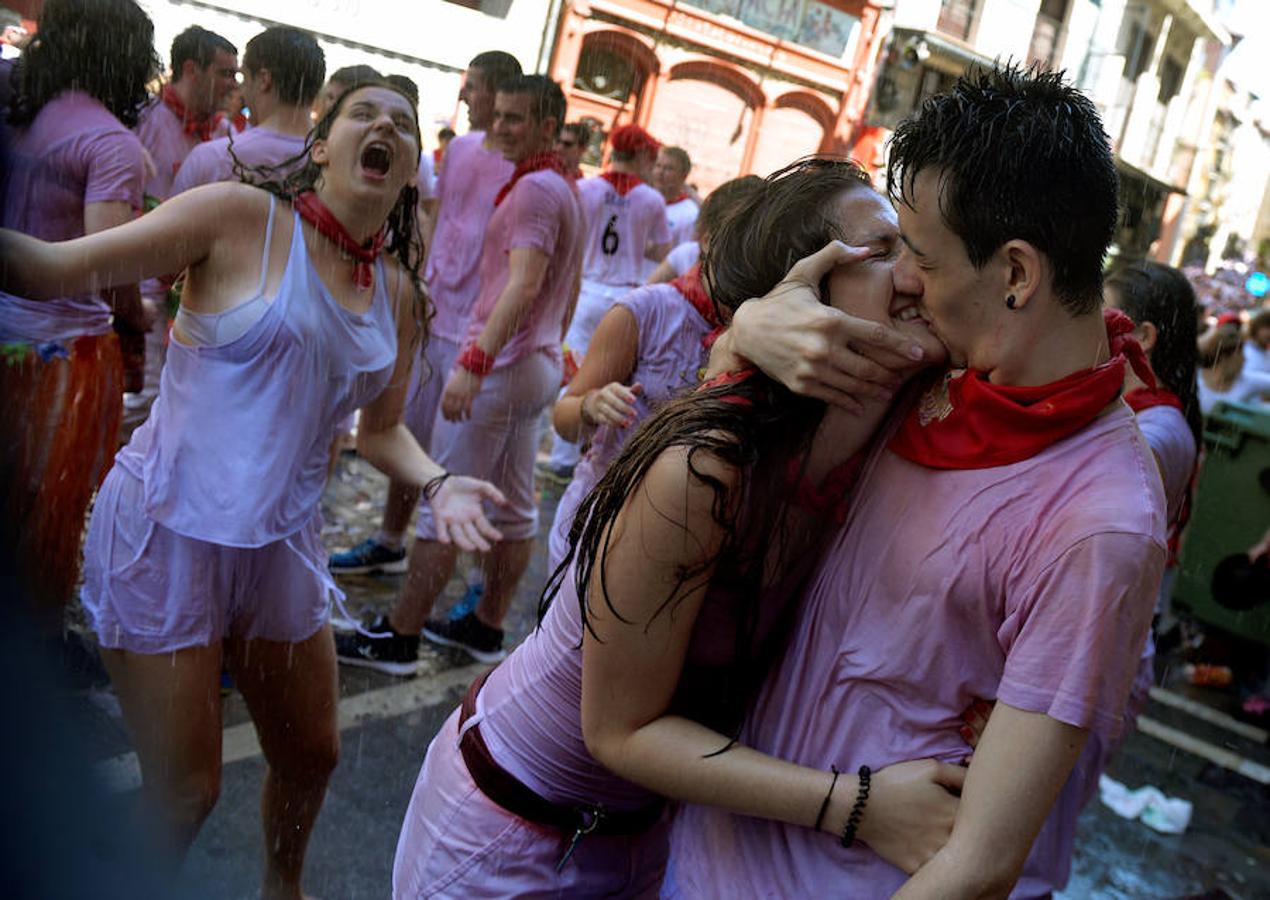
{"x":367,"y":557}
{"x":467,"y":603}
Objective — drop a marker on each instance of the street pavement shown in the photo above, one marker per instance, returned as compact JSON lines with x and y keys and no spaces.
{"x":387,"y":723}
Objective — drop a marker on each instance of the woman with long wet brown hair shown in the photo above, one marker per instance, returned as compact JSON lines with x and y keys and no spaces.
{"x":684,"y":567}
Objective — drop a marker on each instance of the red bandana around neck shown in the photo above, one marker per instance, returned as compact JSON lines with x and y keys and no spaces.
{"x":200,"y":128}
{"x":963,"y":421}
{"x":684,"y":195}
{"x":689,"y":284}
{"x":623,"y":182}
{"x":318,"y":214}
{"x":1145,"y":398}
{"x":536,"y":162}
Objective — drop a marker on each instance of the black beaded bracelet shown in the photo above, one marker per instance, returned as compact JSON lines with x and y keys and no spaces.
{"x":857,"y":811}
{"x":824,"y":807}
{"x":433,"y":485}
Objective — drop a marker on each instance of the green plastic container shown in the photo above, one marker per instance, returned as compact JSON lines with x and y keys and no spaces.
{"x":1231,"y":513}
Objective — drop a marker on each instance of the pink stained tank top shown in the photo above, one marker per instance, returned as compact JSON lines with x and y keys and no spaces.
{"x":235,"y":450}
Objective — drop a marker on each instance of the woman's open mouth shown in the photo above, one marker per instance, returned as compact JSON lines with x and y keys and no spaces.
{"x":377,"y":160}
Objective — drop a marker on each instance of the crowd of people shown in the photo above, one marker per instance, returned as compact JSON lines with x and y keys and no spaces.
{"x":872,"y":494}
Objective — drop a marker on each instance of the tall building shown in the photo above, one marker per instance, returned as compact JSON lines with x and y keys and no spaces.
{"x":743,"y":85}
{"x":1145,"y":63}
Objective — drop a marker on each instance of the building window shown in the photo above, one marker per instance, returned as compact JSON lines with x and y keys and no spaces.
{"x":1047,"y":32}
{"x":1171,"y":73}
{"x":1138,"y":45}
{"x":606,"y":73}
{"x":956,"y":17}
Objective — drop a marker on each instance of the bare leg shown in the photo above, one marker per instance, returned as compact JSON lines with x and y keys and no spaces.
{"x":505,"y":565}
{"x":401,"y":502}
{"x":171,"y":703}
{"x":293,"y":692}
{"x":431,"y":567}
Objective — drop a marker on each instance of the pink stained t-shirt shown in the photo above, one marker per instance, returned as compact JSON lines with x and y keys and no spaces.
{"x":211,"y":162}
{"x":540,"y":212}
{"x":465,"y":189}
{"x":1031,"y":583}
{"x":74,"y":153}
{"x":619,"y":230}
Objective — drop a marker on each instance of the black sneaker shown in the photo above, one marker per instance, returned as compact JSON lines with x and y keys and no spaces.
{"x":468,"y":633}
{"x":367,"y":557}
{"x":396,"y":654}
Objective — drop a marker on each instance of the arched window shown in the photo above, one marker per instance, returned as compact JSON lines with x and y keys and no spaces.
{"x":606,"y":72}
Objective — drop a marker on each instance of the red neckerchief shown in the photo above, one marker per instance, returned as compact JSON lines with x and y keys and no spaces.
{"x":680,"y":199}
{"x":689,"y":284}
{"x":200,"y":128}
{"x":536,"y":162}
{"x":966,"y":422}
{"x":316,"y":213}
{"x":1145,"y":398}
{"x":623,"y":182}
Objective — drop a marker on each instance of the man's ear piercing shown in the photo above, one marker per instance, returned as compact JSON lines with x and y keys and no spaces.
{"x":1009,"y":302}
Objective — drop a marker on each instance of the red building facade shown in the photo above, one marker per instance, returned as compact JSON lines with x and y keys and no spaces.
{"x":745,"y":86}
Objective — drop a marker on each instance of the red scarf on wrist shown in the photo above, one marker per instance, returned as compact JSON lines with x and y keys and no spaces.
{"x":200,"y":128}
{"x":536,"y":162}
{"x":689,"y":285}
{"x":316,"y":213}
{"x":964,"y":421}
{"x":623,"y":182}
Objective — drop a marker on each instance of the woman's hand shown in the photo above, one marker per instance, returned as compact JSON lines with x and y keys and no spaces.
{"x":460,"y":393}
{"x":910,"y":811}
{"x":814,"y":349}
{"x":457,"y":508}
{"x":613,"y":404}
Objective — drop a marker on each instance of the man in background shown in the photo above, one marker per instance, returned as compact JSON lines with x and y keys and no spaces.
{"x":283,"y":70}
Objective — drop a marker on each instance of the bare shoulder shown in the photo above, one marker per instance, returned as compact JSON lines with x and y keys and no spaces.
{"x":691,"y":476}
{"x":228,"y":198}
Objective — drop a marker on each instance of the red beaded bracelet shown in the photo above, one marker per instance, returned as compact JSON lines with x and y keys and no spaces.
{"x":476,"y":360}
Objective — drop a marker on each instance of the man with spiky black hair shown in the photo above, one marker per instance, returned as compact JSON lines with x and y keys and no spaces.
{"x":1007,"y":536}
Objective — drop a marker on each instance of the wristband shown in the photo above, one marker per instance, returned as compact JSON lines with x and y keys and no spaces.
{"x":857,"y":811}
{"x":476,"y":360}
{"x":433,"y":485}
{"x":824,"y":807}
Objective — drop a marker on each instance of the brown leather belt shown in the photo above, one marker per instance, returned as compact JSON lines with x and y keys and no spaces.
{"x":511,"y":794}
